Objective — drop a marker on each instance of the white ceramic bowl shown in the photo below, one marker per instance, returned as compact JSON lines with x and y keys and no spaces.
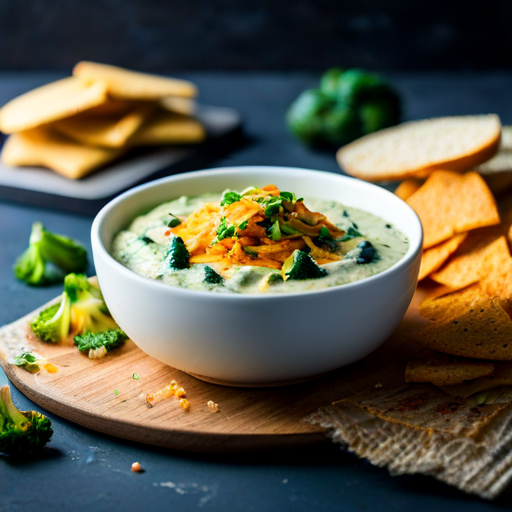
{"x":257,"y":339}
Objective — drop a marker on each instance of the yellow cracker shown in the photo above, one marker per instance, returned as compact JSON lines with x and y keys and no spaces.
{"x":43,"y":147}
{"x":481,"y":254}
{"x":133,"y":85}
{"x":443,"y":370}
{"x":103,"y":130}
{"x":49,"y":103}
{"x":450,"y":203}
{"x":168,"y":128}
{"x":407,"y":188}
{"x":184,"y":106}
{"x":483,"y":332}
{"x":433,"y":258}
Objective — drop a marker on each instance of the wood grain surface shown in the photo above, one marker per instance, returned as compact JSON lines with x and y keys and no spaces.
{"x":84,"y":391}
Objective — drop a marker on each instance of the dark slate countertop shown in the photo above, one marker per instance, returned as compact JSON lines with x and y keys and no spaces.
{"x":84,"y":470}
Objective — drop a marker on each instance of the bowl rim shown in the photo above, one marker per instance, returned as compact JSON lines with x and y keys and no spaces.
{"x":97,"y":243}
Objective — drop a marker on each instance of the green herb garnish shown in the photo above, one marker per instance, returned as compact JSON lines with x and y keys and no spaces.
{"x":225,"y":231}
{"x":229,"y":197}
{"x":274,"y":232}
{"x":174,"y":221}
{"x":135,"y":376}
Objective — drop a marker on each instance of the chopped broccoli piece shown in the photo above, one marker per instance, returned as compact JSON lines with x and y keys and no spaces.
{"x":27,"y":361}
{"x":53,"y":323}
{"x":229,"y":197}
{"x":109,"y":340}
{"x":174,"y":221}
{"x":21,"y":433}
{"x":49,"y":257}
{"x":179,"y":257}
{"x":350,"y":234}
{"x":300,"y":266}
{"x":211,"y":277}
{"x":274,"y":277}
{"x":325,"y":236}
{"x":367,"y":254}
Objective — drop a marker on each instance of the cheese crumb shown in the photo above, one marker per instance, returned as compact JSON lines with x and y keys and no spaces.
{"x":213,"y":406}
{"x":184,"y":404}
{"x":137,"y":468}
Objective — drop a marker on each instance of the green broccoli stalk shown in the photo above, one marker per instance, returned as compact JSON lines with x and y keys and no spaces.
{"x":81,"y":309}
{"x":49,"y":257}
{"x":21,"y":433}
{"x":178,"y":254}
{"x":99,"y":343}
{"x":300,"y":266}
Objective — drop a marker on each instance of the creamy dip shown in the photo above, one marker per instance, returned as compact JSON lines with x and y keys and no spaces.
{"x":144,"y":245}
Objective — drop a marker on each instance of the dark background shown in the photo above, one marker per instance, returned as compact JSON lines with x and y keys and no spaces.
{"x":182,"y":35}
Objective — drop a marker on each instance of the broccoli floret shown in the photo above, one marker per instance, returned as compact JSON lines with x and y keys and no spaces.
{"x":21,"y":433}
{"x":178,"y":254}
{"x":49,"y":257}
{"x":81,"y":309}
{"x":300,"y":266}
{"x":53,"y":323}
{"x":211,"y":277}
{"x":108,"y":340}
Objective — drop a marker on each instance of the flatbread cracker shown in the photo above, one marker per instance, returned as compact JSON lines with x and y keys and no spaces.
{"x":483,"y":332}
{"x":110,"y":131}
{"x":444,"y":370}
{"x":50,"y":102}
{"x":433,"y":258}
{"x":167,"y":128}
{"x":450,"y":203}
{"x":482,"y":254}
{"x":132,"y":85}
{"x":44,"y":147}
{"x":184,"y":106}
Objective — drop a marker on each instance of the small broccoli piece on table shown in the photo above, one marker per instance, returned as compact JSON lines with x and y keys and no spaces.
{"x":49,"y":257}
{"x":211,"y":277}
{"x":98,"y":344}
{"x":300,"y":266}
{"x":21,"y":433}
{"x":28,"y":361}
{"x":179,"y":257}
{"x":81,"y":309}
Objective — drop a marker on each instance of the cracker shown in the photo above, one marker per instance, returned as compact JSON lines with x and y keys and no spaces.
{"x":444,"y":370}
{"x":44,"y":147}
{"x":50,"y":102}
{"x":133,"y":85}
{"x":483,"y":332}
{"x":407,"y":188}
{"x":184,"y":106}
{"x":450,"y":203}
{"x":480,"y":255}
{"x":167,"y":128}
{"x":433,"y":258}
{"x":104,"y":130}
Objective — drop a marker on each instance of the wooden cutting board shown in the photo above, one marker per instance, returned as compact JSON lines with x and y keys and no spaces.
{"x":84,"y":391}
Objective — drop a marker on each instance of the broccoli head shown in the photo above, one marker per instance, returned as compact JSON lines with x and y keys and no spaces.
{"x":347,"y":105}
{"x":97,"y":344}
{"x":300,"y":265}
{"x":211,"y":277}
{"x":81,"y":309}
{"x":21,"y":433}
{"x":49,"y":257}
{"x":178,"y":254}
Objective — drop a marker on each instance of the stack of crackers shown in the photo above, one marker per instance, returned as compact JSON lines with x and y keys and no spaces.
{"x":78,"y":124}
{"x":466,"y":269}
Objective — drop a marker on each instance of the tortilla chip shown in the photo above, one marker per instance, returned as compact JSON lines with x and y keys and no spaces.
{"x":480,"y":255}
{"x":449,"y":307}
{"x":483,"y":332}
{"x":433,"y":258}
{"x":50,"y":102}
{"x":450,"y":203}
{"x":184,"y":106}
{"x":407,"y":188}
{"x":502,"y":376}
{"x":132,"y":85}
{"x":167,"y":128}
{"x":110,"y":131}
{"x":443,"y":370}
{"x":44,"y":147}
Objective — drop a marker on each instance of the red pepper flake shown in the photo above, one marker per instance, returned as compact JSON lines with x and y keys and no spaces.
{"x":168,"y":232}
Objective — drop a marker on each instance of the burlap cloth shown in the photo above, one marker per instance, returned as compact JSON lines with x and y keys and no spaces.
{"x":419,"y":428}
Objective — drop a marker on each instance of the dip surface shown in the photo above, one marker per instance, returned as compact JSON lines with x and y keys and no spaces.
{"x":144,"y":245}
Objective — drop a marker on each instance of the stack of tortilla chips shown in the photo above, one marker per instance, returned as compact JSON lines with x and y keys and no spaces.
{"x":467,"y":255}
{"x":80,"y":123}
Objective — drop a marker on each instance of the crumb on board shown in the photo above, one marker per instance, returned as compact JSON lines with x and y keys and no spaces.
{"x":378,"y":385}
{"x":212,"y":405}
{"x":137,"y":468}
{"x":173,"y":389}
